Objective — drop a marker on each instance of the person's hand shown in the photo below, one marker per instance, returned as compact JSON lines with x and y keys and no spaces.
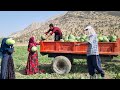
{"x":37,"y":41}
{"x":46,"y":33}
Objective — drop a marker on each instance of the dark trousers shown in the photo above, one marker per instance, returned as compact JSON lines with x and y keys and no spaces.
{"x":57,"y":37}
{"x":94,"y":63}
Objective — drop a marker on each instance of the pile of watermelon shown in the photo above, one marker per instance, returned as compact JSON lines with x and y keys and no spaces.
{"x":72,"y":38}
{"x":111,"y":38}
{"x":84,"y":38}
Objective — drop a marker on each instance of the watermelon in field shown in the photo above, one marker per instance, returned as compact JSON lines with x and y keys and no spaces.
{"x":119,"y":74}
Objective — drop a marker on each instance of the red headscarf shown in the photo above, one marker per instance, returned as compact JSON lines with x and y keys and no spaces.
{"x":31,"y":42}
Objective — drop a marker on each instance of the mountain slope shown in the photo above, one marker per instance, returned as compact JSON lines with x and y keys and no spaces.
{"x":74,"y":22}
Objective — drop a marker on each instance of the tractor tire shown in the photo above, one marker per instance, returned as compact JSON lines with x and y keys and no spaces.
{"x":61,"y":65}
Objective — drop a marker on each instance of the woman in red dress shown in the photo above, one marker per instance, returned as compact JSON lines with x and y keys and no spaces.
{"x":32,"y":63}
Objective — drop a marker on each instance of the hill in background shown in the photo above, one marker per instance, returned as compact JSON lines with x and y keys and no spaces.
{"x":104,"y":22}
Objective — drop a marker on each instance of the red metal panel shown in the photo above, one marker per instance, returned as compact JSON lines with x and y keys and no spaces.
{"x":106,"y":48}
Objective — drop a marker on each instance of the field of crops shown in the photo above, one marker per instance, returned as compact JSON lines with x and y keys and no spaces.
{"x":78,"y":71}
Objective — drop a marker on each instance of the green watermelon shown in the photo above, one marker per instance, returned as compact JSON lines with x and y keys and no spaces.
{"x":34,"y":48}
{"x":13,"y":42}
{"x":66,"y":39}
{"x":84,"y":36}
{"x":77,"y":38}
{"x":100,"y":38}
{"x":82,"y":77}
{"x":119,"y":74}
{"x":71,"y":37}
{"x":109,"y":38}
{"x":61,"y":40}
{"x":113,"y":38}
{"x":10,"y":41}
{"x":105,"y":39}
{"x":43,"y":37}
{"x":86,"y":39}
{"x":82,"y":40}
{"x":71,"y":40}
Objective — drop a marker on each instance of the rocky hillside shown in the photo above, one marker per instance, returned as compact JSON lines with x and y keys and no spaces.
{"x":74,"y":22}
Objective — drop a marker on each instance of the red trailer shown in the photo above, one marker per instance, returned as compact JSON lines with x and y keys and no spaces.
{"x":65,"y":52}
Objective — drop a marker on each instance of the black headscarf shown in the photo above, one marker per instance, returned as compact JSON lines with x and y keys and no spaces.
{"x":6,"y":48}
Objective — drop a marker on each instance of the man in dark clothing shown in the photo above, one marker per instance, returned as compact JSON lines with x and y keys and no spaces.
{"x":56,"y":30}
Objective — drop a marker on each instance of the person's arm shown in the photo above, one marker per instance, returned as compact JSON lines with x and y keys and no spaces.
{"x":37,"y":43}
{"x":54,"y":30}
{"x":31,"y":45}
{"x":47,"y":32}
{"x":49,"y":35}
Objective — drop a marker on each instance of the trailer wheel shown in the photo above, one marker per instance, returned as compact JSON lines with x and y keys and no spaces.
{"x":61,"y":65}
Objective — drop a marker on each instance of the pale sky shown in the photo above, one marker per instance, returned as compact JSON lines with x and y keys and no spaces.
{"x":12,"y":21}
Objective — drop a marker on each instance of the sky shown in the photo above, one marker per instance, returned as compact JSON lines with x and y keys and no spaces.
{"x":13,"y":21}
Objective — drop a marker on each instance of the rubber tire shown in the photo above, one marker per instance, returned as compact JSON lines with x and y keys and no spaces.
{"x":65,"y":65}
